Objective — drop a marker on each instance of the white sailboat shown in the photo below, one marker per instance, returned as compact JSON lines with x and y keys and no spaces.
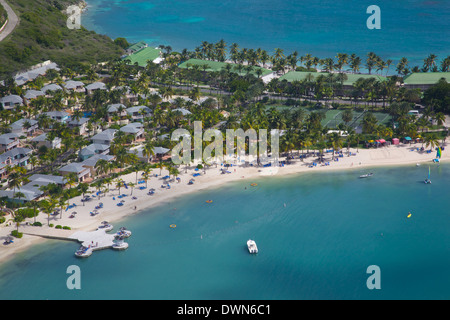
{"x":428,"y":180}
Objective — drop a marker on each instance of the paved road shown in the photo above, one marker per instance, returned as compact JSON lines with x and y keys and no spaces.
{"x":13,"y":21}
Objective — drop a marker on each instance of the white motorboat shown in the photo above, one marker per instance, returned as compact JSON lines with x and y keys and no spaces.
{"x":105,"y":226}
{"x":119,"y":244}
{"x":366,"y":175}
{"x":123,"y":232}
{"x":252,"y":248}
{"x":83,"y":252}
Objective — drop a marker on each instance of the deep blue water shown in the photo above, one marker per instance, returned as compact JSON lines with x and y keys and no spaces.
{"x":318,"y":246}
{"x":410,"y":28}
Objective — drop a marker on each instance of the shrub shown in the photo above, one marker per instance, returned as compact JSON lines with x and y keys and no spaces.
{"x":58,"y":226}
{"x":16,"y":234}
{"x":37,"y":224}
{"x":67,"y":228}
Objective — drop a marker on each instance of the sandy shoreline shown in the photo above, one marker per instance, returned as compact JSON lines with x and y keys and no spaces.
{"x":386,"y":156}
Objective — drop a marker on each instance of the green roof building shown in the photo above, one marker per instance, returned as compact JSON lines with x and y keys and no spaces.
{"x":136,"y":47}
{"x":350,"y":81}
{"x":424,"y":80}
{"x":214,"y":66}
{"x":147,"y":54}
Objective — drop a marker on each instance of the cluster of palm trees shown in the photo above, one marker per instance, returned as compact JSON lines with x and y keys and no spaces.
{"x":281,"y":62}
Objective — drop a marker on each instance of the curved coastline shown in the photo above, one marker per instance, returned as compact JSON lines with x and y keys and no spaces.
{"x":392,"y":156}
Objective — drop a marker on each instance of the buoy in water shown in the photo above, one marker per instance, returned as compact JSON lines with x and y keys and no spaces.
{"x":209,"y":201}
{"x":173,"y":226}
{"x":409,"y":215}
{"x":254,"y":184}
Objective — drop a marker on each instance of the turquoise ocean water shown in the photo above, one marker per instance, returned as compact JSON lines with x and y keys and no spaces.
{"x":411,"y":28}
{"x":316,"y":233}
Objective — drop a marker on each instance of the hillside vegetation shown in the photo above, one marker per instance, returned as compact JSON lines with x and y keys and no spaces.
{"x":3,"y":15}
{"x":43,"y":35}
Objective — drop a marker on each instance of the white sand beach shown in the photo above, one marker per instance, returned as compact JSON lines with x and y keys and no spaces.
{"x":358,"y":161}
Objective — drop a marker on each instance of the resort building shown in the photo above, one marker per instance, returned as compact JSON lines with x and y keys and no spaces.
{"x":12,"y":158}
{"x":424,"y":80}
{"x":142,"y":56}
{"x":95,"y":86}
{"x":347,"y":83}
{"x":105,"y":137}
{"x":117,"y":109}
{"x":92,"y":150}
{"x":138,"y":113}
{"x":138,"y":151}
{"x":81,"y":124}
{"x":51,"y":87}
{"x":47,"y":178}
{"x":8,"y":141}
{"x":10,"y":102}
{"x":136,"y":47}
{"x":24,"y":127}
{"x":92,"y":162}
{"x":136,"y":129}
{"x":33,"y":94}
{"x":208,"y":66}
{"x":41,"y":140}
{"x":31,"y":190}
{"x":59,"y":116}
{"x":26,"y":193}
{"x":34,"y":72}
{"x":76,"y":86}
{"x":82,"y":172}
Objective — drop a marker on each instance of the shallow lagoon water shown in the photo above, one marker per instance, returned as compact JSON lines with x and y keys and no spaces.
{"x":317,"y":233}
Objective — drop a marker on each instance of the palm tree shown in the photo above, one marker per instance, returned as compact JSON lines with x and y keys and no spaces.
{"x":342,"y":60}
{"x":402,"y":66}
{"x":440,"y":118}
{"x":371,"y":61}
{"x":445,"y":64}
{"x":431,"y":141}
{"x":148,"y":150}
{"x":83,"y":187}
{"x":336,"y":141}
{"x":119,"y":184}
{"x":101,"y":167}
{"x":160,"y":165}
{"x":429,"y":62}
{"x":355,"y":62}
{"x":347,"y":116}
{"x":19,"y":195}
{"x":146,"y":174}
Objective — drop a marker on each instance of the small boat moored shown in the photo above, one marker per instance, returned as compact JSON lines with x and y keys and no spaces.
{"x":106,"y":226}
{"x":83,"y":252}
{"x":119,"y":244}
{"x":123,"y":232}
{"x":367,"y":175}
{"x":252,"y":248}
{"x":428,"y":180}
